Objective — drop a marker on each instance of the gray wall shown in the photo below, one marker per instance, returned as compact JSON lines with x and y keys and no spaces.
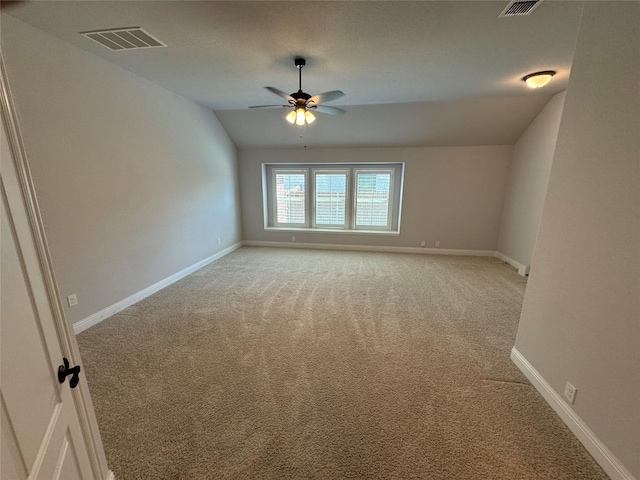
{"x":581,"y":315}
{"x":528,"y":179}
{"x":451,"y":194}
{"x":135,"y":183}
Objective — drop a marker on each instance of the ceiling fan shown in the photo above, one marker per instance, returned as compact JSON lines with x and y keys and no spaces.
{"x":304,"y":104}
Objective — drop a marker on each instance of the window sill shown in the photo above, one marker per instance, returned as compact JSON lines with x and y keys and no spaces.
{"x":333,"y":230}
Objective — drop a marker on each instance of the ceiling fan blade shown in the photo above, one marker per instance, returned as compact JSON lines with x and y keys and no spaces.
{"x":329,"y":110}
{"x":280,"y":93}
{"x":326,"y":97}
{"x":270,"y":106}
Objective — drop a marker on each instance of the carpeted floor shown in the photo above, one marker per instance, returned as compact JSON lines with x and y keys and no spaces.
{"x":301,"y":364}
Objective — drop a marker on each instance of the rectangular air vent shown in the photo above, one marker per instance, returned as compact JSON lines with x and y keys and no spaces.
{"x":124,"y":38}
{"x":517,"y":8}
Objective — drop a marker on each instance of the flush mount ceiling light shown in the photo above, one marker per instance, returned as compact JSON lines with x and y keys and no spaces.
{"x":538,"y":79}
{"x":302,"y":103}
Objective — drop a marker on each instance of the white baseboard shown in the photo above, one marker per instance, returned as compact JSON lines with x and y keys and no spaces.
{"x":607,"y":460}
{"x":105,"y":313}
{"x":110,"y":476}
{"x":370,"y":248}
{"x":522,"y":268}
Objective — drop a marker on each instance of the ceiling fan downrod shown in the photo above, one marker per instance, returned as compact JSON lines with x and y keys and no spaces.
{"x":300,"y":62}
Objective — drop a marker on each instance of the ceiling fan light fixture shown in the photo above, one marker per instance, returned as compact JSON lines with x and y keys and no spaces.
{"x":538,"y":79}
{"x":300,"y":116}
{"x":291,"y":117}
{"x":309,"y":117}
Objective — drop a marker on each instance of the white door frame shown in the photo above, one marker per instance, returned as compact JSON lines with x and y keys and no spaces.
{"x":81,"y":396}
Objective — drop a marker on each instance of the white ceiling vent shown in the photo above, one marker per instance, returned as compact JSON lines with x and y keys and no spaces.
{"x":124,"y":38}
{"x":517,"y":8}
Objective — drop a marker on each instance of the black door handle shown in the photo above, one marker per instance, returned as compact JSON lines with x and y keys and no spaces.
{"x":64,"y":370}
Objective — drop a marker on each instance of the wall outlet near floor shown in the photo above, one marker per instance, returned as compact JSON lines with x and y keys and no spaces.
{"x":293,"y":238}
{"x":570,"y":392}
{"x":219,"y":242}
{"x":437,"y":243}
{"x":72,"y":300}
{"x":423,"y":243}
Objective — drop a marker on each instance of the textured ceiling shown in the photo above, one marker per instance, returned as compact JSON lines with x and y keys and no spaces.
{"x":420,"y":67}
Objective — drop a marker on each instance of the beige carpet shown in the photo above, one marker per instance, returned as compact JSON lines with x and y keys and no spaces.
{"x":299,"y":364}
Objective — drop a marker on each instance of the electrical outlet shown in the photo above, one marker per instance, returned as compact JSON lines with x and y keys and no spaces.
{"x":72,"y":300}
{"x":570,"y":392}
{"x":293,"y":238}
{"x":423,"y":243}
{"x":218,"y":241}
{"x":437,"y":243}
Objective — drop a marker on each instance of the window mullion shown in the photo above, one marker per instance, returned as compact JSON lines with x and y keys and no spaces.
{"x":311,"y":195}
{"x":347,"y":196}
{"x":351,"y":200}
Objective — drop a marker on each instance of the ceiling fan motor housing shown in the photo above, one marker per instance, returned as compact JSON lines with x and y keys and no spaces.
{"x":301,"y":96}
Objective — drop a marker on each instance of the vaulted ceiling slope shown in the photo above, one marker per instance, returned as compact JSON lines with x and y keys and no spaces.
{"x":414,"y":73}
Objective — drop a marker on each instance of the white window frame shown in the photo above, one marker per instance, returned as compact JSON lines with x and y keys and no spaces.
{"x":394,"y":212}
{"x":274,"y":202}
{"x":358,"y":171}
{"x":331,"y":171}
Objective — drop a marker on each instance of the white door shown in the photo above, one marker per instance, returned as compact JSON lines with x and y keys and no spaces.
{"x":42,"y":434}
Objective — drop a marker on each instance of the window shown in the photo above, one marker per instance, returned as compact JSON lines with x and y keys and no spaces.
{"x":333,"y":197}
{"x":373,"y":198}
{"x":290,"y":192}
{"x":330,"y":198}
